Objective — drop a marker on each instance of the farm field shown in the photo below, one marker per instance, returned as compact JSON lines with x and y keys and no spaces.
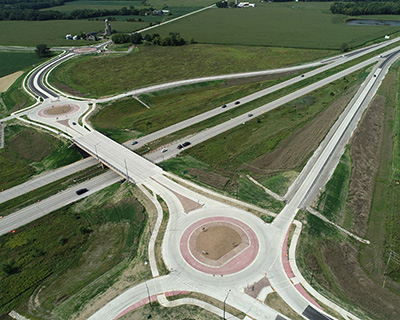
{"x":298,"y":25}
{"x":28,"y":151}
{"x":73,"y":254}
{"x":15,"y":98}
{"x":125,"y":72}
{"x":17,"y":61}
{"x":361,"y":196}
{"x":52,"y":33}
{"x":191,"y":5}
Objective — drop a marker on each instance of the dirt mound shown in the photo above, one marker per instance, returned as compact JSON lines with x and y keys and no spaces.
{"x":210,"y":178}
{"x":365,"y":143}
{"x":216,"y":241}
{"x":299,"y":146}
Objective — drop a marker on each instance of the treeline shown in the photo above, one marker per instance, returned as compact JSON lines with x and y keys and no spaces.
{"x":174,"y":39}
{"x":32,"y":14}
{"x":365,"y":8}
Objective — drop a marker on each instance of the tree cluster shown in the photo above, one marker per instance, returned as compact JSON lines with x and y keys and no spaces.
{"x":173,"y":39}
{"x":365,"y":8}
{"x":43,"y":51}
{"x":15,"y":13}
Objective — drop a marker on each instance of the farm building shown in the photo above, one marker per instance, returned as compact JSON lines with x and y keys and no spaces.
{"x":246,"y":5}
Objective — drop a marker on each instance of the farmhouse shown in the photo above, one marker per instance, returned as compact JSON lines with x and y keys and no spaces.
{"x":246,"y":5}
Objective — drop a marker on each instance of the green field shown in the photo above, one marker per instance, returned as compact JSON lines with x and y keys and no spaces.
{"x":155,"y":64}
{"x":188,"y":5}
{"x":64,"y":252}
{"x":168,"y":107}
{"x":52,"y":33}
{"x":15,"y":98}
{"x":28,"y":151}
{"x":300,"y":25}
{"x":17,"y":61}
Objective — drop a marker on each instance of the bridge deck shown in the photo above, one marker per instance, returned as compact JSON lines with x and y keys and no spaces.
{"x":117,"y":157}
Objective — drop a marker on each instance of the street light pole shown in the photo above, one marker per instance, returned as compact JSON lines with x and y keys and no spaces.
{"x":95,"y":148}
{"x":225,"y":301}
{"x":126,"y":168}
{"x":148,"y":293}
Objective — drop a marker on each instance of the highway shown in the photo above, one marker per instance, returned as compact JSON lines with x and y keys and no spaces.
{"x":268,"y":261}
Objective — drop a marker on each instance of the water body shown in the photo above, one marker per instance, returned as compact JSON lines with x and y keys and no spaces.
{"x":372,"y":22}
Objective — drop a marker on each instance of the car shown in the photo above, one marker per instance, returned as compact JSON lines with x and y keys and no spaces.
{"x":134,"y":142}
{"x":81,"y":191}
{"x":164,"y":150}
{"x":237,"y":102}
{"x":185,"y":144}
{"x":302,"y":75}
{"x":180,"y":146}
{"x":224,"y":106}
{"x":74,"y":123}
{"x":250,"y":115}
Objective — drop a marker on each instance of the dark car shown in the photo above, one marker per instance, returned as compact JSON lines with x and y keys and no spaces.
{"x":81,"y":191}
{"x":237,"y":102}
{"x":250,"y":115}
{"x":180,"y":146}
{"x":224,"y":106}
{"x":134,"y":142}
{"x":185,"y":144}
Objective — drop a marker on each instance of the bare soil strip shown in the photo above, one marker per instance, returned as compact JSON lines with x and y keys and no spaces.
{"x":7,"y":81}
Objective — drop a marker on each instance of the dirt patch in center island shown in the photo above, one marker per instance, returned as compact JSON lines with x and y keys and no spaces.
{"x":59,"y":110}
{"x":217,"y":241}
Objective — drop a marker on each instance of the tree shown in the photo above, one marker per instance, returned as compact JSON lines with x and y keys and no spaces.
{"x":222,"y":4}
{"x":42,"y":50}
{"x":136,"y":38}
{"x":344,"y":47}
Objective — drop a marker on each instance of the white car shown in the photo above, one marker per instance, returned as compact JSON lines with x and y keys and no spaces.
{"x":164,"y":150}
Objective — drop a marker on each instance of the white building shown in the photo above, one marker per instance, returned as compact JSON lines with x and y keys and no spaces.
{"x":246,"y":5}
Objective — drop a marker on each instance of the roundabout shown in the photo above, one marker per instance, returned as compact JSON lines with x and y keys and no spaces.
{"x":58,"y":110}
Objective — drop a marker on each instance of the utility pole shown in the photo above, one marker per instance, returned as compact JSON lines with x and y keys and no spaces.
{"x":225,"y":301}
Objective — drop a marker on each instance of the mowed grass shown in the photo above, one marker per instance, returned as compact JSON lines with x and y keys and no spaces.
{"x":155,"y":64}
{"x":17,"y":61}
{"x":332,"y":201}
{"x":168,"y":107}
{"x":28,"y":151}
{"x":52,"y":33}
{"x":300,"y":25}
{"x":65,"y":251}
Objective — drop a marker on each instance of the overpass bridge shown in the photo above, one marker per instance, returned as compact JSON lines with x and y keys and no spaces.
{"x":117,"y":157}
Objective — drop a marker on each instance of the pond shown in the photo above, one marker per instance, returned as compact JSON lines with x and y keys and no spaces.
{"x":372,"y":22}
